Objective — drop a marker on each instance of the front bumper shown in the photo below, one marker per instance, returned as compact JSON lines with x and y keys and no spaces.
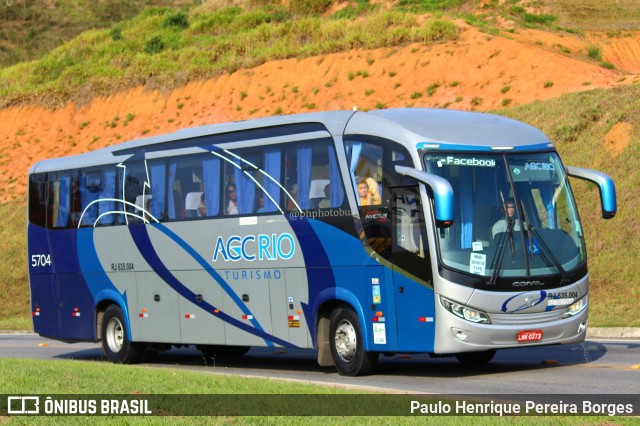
{"x":455,"y":335}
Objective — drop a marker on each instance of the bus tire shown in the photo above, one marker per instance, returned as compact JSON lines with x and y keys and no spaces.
{"x":475,"y":358}
{"x":116,"y":346}
{"x":347,"y":344}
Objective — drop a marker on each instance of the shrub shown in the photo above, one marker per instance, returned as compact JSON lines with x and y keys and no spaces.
{"x":594,"y":53}
{"x":476,"y":101}
{"x":178,"y":20}
{"x":116,"y":33}
{"x":154,"y":45}
{"x":432,"y":88}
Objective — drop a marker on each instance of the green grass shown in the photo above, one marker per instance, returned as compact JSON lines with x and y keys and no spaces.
{"x":14,"y":297}
{"x":212,"y":43}
{"x":601,"y":15}
{"x":30,"y":29}
{"x":99,"y":378}
{"x":164,"y":48}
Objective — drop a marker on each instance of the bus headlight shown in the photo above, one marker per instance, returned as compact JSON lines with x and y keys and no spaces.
{"x":577,"y":307}
{"x":464,"y":312}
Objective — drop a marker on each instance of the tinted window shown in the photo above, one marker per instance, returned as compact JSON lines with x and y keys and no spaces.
{"x":38,"y":199}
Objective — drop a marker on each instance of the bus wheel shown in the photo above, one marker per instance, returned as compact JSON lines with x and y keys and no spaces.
{"x":475,"y":358}
{"x":346,"y":344}
{"x":116,"y":346}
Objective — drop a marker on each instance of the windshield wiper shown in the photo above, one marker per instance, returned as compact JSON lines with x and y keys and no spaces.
{"x":529,"y":230}
{"x":545,"y":252}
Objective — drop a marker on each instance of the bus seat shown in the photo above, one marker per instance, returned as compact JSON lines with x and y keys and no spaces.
{"x":191,"y":203}
{"x":141,"y":202}
{"x":316,"y":191}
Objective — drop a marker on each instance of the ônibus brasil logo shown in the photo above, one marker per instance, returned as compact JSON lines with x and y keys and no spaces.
{"x":252,"y":247}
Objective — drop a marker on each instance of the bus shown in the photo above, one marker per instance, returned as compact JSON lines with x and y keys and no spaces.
{"x":352,"y":233}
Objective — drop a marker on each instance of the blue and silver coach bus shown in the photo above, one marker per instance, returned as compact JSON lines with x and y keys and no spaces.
{"x":353,"y":233}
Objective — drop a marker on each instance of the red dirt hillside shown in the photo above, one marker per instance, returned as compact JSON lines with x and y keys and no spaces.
{"x":477,"y":71}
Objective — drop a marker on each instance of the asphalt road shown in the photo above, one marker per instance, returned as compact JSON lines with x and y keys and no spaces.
{"x":592,"y":367}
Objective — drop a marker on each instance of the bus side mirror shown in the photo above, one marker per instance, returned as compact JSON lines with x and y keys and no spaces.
{"x":605,"y":185}
{"x":442,"y":194}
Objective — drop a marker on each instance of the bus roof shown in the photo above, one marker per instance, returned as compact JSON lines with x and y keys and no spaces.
{"x":451,"y":129}
{"x":414,"y":127}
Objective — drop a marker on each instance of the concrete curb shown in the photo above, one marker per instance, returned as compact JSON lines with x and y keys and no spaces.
{"x":613,"y":333}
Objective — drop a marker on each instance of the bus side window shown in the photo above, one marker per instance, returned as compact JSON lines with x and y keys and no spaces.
{"x":309,"y":168}
{"x":271,"y":178}
{"x":131,"y":178}
{"x":408,"y":233}
{"x":90,"y":196}
{"x":175,"y":200}
{"x":58,"y":202}
{"x":230,"y":190}
{"x":107,"y":192}
{"x":87,"y":194}
{"x":155,"y":209}
{"x":372,"y":164}
{"x":38,"y":199}
{"x":245,"y":179}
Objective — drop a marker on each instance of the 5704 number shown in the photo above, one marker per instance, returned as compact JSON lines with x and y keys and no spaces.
{"x":40,"y":260}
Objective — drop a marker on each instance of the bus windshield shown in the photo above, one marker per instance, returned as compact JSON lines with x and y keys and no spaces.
{"x":515,"y":215}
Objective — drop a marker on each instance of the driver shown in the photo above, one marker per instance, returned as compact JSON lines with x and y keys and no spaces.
{"x":501,"y":224}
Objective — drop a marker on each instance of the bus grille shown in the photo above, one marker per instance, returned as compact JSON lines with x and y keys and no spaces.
{"x":525,"y":319}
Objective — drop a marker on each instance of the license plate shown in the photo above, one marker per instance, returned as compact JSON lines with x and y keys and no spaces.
{"x":529,"y":336}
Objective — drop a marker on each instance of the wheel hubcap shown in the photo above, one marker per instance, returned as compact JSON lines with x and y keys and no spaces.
{"x":115,"y":334}
{"x":346,"y":341}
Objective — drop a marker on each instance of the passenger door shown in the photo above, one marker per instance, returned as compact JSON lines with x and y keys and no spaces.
{"x":412,"y":275}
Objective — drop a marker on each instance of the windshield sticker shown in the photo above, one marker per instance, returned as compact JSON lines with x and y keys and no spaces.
{"x":476,"y":246}
{"x":477,"y":263}
{"x":474,"y":162}
{"x":538,"y":166}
